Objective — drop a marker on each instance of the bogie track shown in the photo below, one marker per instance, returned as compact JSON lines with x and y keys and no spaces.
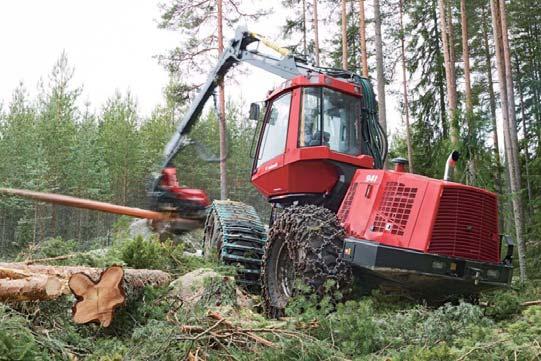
{"x":234,"y":232}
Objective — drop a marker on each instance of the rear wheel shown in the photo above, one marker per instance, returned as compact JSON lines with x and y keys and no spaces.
{"x":303,"y":249}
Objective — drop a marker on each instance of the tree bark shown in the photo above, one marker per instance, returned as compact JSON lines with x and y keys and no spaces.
{"x":448,"y":56}
{"x":362,"y":37}
{"x":380,"y":69}
{"x":508,"y":116}
{"x":405,"y":88}
{"x":344,"y":36}
{"x":221,"y":111}
{"x":316,"y":33}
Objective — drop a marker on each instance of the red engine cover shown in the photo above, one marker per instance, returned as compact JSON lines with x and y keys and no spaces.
{"x":428,"y":215}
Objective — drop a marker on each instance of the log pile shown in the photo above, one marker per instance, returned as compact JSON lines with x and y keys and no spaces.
{"x":98,"y":292}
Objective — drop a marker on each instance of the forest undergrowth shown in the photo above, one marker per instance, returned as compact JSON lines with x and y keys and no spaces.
{"x":159,"y":326}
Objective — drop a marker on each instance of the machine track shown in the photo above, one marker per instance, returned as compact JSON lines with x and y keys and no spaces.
{"x":234,"y":232}
{"x":305,"y":243}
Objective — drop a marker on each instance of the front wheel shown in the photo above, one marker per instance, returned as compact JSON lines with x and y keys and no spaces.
{"x":303,"y":248}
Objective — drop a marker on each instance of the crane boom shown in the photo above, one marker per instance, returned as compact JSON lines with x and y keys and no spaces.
{"x":287,"y":67}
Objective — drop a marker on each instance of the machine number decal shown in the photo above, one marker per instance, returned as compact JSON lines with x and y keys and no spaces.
{"x":371,"y":178}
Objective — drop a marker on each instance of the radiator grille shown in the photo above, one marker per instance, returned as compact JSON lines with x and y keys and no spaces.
{"x":346,"y":206}
{"x":466,"y":225}
{"x":395,"y":208}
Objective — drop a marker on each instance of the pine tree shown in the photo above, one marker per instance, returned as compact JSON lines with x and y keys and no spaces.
{"x":380,"y":66}
{"x":447,"y":36}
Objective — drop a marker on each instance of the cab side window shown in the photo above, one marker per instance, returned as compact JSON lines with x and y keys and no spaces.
{"x":273,"y":142}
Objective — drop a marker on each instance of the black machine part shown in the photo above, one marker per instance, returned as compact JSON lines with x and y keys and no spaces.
{"x":431,"y":277}
{"x":236,"y":236}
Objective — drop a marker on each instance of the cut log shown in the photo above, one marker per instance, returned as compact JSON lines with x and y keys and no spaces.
{"x":97,"y":301}
{"x":22,"y":282}
{"x":135,"y":278}
{"x":33,"y":287}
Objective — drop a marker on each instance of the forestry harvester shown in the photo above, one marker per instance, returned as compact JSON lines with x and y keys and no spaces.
{"x":337,"y":214}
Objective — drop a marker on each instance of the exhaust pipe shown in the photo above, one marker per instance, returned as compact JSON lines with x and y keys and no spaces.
{"x":450,"y":165}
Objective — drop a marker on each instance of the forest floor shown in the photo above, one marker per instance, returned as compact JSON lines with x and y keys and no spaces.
{"x":224,"y":323}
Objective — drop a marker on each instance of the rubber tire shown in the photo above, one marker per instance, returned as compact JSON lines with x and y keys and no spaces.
{"x":313,"y":240}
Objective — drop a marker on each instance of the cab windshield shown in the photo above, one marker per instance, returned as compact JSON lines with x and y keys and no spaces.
{"x":330,"y":118}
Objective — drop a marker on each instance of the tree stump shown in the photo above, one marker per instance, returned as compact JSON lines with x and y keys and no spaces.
{"x":96,"y":302}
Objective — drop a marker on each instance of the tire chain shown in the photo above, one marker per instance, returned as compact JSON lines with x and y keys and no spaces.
{"x":295,"y":224}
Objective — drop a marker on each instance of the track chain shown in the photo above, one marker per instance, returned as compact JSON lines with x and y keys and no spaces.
{"x":234,"y":231}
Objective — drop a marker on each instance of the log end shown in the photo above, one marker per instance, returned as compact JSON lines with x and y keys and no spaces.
{"x":97,"y":301}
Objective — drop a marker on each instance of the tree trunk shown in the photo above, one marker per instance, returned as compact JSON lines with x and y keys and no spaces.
{"x":405,"y":88}
{"x":517,"y":180}
{"x":344,"y":36}
{"x":506,"y":84}
{"x":380,"y":69}
{"x":304,"y":45}
{"x":440,"y":74}
{"x":466,"y":59}
{"x":472,"y":167}
{"x":492,"y":97}
{"x":316,"y":33}
{"x":221,"y":112}
{"x":448,"y":56}
{"x":362,"y":37}
{"x":526,"y":137}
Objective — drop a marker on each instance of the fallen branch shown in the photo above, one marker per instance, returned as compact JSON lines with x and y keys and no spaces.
{"x":523,"y":304}
{"x":531,"y":303}
{"x":51,"y":259}
{"x":254,"y":337}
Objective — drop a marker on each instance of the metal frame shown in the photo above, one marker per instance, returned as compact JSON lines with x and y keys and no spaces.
{"x":428,"y":275}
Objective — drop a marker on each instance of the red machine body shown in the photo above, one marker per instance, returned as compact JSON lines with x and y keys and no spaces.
{"x":170,"y":183}
{"x":390,"y":208}
{"x":309,"y":169}
{"x":423,"y":214}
